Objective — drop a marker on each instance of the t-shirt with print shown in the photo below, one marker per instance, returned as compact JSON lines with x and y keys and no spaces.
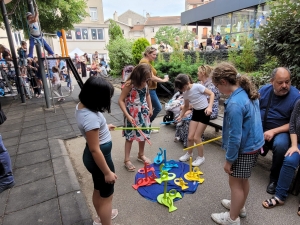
{"x":88,"y":120}
{"x":56,"y":79}
{"x":196,"y":96}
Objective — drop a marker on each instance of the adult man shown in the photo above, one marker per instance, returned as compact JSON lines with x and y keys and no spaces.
{"x":196,"y":43}
{"x":35,"y":33}
{"x":218,"y":38}
{"x":277,"y":101}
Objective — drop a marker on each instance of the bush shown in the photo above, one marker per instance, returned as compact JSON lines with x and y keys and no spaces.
{"x":138,"y":48}
{"x":120,"y":54}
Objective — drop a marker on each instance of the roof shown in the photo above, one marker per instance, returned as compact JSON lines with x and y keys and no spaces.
{"x":194,"y":2}
{"x":132,"y":12}
{"x":138,"y":28}
{"x":107,"y":22}
{"x":162,"y":20}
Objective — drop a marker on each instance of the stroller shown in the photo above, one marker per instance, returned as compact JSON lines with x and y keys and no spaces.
{"x":126,"y":73}
{"x":173,"y":107}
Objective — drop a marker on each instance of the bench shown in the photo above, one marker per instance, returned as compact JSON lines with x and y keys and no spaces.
{"x":295,"y":186}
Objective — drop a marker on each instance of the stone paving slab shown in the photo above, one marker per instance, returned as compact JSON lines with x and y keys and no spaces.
{"x":30,"y":158}
{"x":10,"y":134}
{"x":32,"y":146}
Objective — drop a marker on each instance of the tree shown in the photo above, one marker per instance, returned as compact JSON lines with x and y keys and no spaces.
{"x":138,"y":48}
{"x":54,"y":15}
{"x":280,"y":37}
{"x":186,"y":35}
{"x":167,"y":35}
{"x":114,"y":30}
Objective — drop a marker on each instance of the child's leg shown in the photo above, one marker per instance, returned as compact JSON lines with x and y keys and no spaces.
{"x":129,"y":166}
{"x":141,"y":154}
{"x":197,"y":137}
{"x":192,"y":129}
{"x":103,"y":207}
{"x":239,"y":192}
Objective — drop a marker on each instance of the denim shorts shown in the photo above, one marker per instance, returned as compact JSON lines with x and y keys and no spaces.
{"x":104,"y":188}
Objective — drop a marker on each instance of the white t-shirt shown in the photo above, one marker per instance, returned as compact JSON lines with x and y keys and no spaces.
{"x":34,"y":29}
{"x":57,"y":79}
{"x":88,"y":120}
{"x":196,"y":96}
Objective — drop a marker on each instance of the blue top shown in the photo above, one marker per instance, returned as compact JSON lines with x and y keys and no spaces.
{"x":242,"y":128}
{"x":281,"y":107}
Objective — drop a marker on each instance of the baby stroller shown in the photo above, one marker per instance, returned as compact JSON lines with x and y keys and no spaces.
{"x":173,"y":107}
{"x":126,"y":73}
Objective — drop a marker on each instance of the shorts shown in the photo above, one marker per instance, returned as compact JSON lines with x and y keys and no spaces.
{"x":22,"y":62}
{"x":104,"y":188}
{"x":200,"y":116}
{"x":243,"y":165}
{"x":78,"y":65}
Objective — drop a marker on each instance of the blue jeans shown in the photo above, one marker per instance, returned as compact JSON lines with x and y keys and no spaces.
{"x":155,"y":104}
{"x":6,"y":175}
{"x":286,"y":176}
{"x":31,"y":46}
{"x":279,"y":145}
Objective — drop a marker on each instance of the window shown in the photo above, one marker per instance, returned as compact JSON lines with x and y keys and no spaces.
{"x":81,"y":33}
{"x":93,"y":13}
{"x":152,"y":29}
{"x":78,"y":33}
{"x":85,"y":34}
{"x":122,"y":31}
{"x":17,"y":38}
{"x":97,"y":34}
{"x":69,"y":35}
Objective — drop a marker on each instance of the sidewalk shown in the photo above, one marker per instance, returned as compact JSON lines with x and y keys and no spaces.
{"x":47,"y":190}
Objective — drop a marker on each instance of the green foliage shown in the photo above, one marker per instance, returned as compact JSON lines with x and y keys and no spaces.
{"x":54,"y":15}
{"x":120,"y":54}
{"x":186,"y":35}
{"x":245,"y":59}
{"x":280,"y":37}
{"x":138,"y":48}
{"x":167,"y":35}
{"x":114,"y":30}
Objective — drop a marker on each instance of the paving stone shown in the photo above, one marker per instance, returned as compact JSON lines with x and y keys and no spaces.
{"x":51,"y":114}
{"x":6,"y":128}
{"x":30,"y":194}
{"x":14,"y":116}
{"x":119,"y":116}
{"x":58,"y":132}
{"x":114,"y":106}
{"x":70,"y":110}
{"x":59,"y":123}
{"x":33,"y":123}
{"x":33,"y":172}
{"x":62,"y":164}
{"x":73,"y":208}
{"x":12,"y":161}
{"x":34,"y":117}
{"x":72,"y":121}
{"x":32,"y":158}
{"x":53,"y":119}
{"x":76,"y":129}
{"x":57,"y":148}
{"x":66,"y":182}
{"x":33,"y":137}
{"x":30,"y":130}
{"x":10,"y":134}
{"x":3,"y":200}
{"x":32,"y":146}
{"x":70,"y":115}
{"x":12,"y":150}
{"x":10,"y":141}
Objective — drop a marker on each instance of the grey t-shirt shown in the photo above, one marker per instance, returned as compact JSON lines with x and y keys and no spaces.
{"x":88,"y":120}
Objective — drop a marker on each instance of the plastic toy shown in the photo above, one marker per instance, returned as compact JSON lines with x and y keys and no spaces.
{"x":180,"y":182}
{"x":147,"y":168}
{"x":202,"y":143}
{"x":194,"y":174}
{"x":168,"y":165}
{"x":173,"y":121}
{"x":167,"y":198}
{"x":158,"y":159}
{"x":147,"y":180}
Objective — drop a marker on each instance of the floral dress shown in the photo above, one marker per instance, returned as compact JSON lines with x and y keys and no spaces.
{"x":137,"y":107}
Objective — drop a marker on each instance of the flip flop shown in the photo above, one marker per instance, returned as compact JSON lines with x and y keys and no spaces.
{"x":129,"y":166}
{"x":268,"y":204}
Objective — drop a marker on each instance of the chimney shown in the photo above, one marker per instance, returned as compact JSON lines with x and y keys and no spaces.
{"x":115,"y":16}
{"x":129,"y":22}
{"x":147,"y":15}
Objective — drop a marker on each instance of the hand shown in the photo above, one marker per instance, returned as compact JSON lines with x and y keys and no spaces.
{"x":291,"y":150}
{"x":227,"y":168}
{"x":150,"y":112}
{"x":208,"y":111}
{"x":111,"y":127}
{"x":268,"y":135}
{"x":110,"y":178}
{"x":130,"y":119}
{"x":178,"y":119}
{"x":166,"y":79}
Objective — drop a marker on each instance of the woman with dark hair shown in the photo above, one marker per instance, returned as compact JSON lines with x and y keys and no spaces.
{"x":186,"y":46}
{"x":97,"y":153}
{"x":84,"y":59}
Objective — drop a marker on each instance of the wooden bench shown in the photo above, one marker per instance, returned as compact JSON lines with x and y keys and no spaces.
{"x":295,"y":186}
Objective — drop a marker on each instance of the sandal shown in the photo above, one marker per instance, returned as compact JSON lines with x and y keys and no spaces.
{"x":143,"y":159}
{"x":129,"y":166}
{"x":268,"y":204}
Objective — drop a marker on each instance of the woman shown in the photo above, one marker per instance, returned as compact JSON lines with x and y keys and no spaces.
{"x":84,"y":60}
{"x":209,"y":43}
{"x":149,"y":56}
{"x":186,"y":46}
{"x":32,"y":71}
{"x":290,"y":163}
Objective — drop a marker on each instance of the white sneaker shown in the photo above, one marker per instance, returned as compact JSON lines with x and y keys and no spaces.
{"x":185,"y":157}
{"x":224,"y":219}
{"x":154,"y":131}
{"x":97,"y":220}
{"x":199,"y":160}
{"x":226,"y":203}
{"x":177,"y":139}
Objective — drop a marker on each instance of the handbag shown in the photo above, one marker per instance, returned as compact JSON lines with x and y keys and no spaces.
{"x":2,"y":115}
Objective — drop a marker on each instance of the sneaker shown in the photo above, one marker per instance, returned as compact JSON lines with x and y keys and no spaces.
{"x":97,"y":220}
{"x":224,"y":219}
{"x":154,"y":131}
{"x":3,"y":188}
{"x":226,"y":203}
{"x":177,"y":139}
{"x":185,"y":157}
{"x":199,"y":160}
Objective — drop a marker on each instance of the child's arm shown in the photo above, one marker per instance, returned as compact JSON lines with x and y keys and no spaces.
{"x":92,"y":138}
{"x":184,"y":109}
{"x":148,"y":99}
{"x":125,"y":91}
{"x":211,"y":95}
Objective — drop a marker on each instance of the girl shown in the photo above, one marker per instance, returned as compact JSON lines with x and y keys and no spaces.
{"x":97,"y":153}
{"x":242,"y":138}
{"x":136,"y":105}
{"x":195,"y":94}
{"x":56,"y":84}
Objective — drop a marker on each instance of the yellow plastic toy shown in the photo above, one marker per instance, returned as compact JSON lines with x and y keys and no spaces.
{"x":194,"y":174}
{"x":180,"y":182}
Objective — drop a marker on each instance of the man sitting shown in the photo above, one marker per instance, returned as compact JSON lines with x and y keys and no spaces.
{"x":277,"y":102}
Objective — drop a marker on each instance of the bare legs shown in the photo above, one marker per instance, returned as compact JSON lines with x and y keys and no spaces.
{"x":196,"y":130}
{"x":103,"y":207}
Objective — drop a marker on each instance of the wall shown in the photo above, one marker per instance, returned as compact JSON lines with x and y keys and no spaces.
{"x":135,"y":18}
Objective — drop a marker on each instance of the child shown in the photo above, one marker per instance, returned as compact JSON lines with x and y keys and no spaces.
{"x":136,"y":105}
{"x":97,"y":153}
{"x":195,"y":94}
{"x":56,"y":84}
{"x":242,"y":138}
{"x":22,"y":52}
